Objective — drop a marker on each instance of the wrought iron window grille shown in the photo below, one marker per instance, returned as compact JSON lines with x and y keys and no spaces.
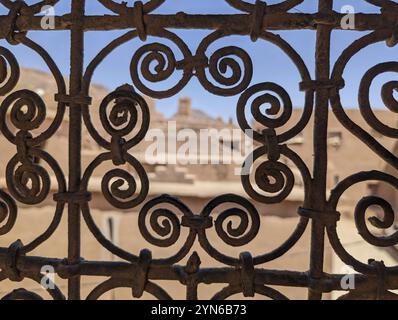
{"x":240,"y":274}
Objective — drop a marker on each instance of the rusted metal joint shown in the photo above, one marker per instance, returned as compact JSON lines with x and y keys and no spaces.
{"x":11,"y":266}
{"x":118,"y":150}
{"x":188,"y":275}
{"x":193,"y":62}
{"x":197,"y":222}
{"x":14,"y":13}
{"x":323,"y":284}
{"x":73,"y":197}
{"x":319,"y":284}
{"x":247,"y":274}
{"x":140,"y":277}
{"x":258,"y":14}
{"x":381,"y":269}
{"x":78,"y":99}
{"x":327,"y":84}
{"x":66,"y":270}
{"x":327,"y":218}
{"x":389,"y":14}
{"x":322,"y":19}
{"x":271,"y":141}
{"x":138,"y":15}
{"x":22,"y":137}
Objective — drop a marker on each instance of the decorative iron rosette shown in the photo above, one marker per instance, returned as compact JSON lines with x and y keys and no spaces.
{"x":119,"y":117}
{"x":27,"y":177}
{"x":384,"y":222}
{"x":231,"y":58}
{"x":387,"y":94}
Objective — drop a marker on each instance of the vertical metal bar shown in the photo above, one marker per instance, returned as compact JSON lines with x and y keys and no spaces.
{"x":75,"y":136}
{"x":318,"y":197}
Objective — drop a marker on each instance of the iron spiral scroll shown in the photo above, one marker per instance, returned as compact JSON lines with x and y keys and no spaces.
{"x":165,"y":221}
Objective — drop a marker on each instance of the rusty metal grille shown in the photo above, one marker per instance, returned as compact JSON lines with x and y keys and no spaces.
{"x":242,"y":273}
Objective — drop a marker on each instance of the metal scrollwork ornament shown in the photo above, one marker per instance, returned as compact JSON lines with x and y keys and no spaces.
{"x":9,"y":71}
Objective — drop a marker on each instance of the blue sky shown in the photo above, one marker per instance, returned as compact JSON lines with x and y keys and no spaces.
{"x":270,"y":64}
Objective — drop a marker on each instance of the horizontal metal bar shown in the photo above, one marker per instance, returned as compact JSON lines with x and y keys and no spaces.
{"x":31,"y":266}
{"x":238,"y":23}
